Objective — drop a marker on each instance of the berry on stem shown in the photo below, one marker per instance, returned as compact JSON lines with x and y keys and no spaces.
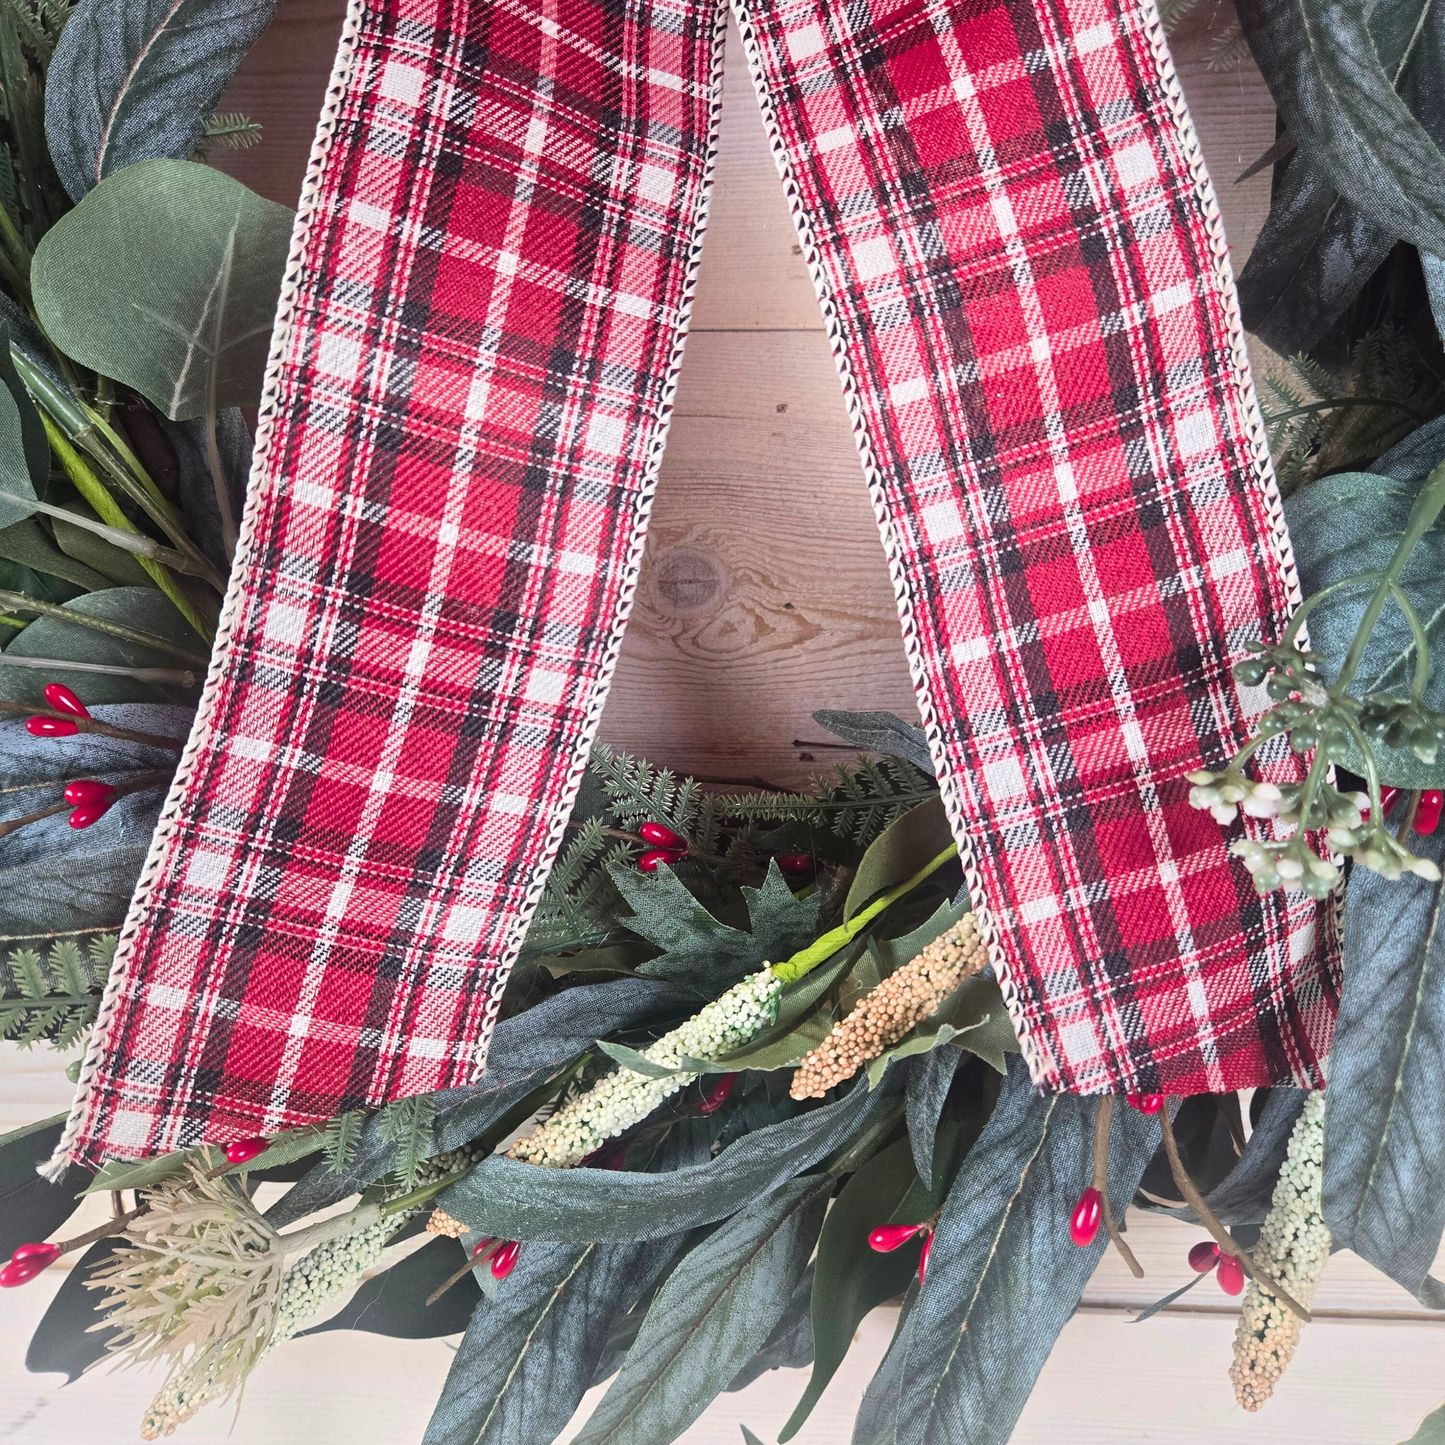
{"x":62,"y":699}
{"x":89,"y":790}
{"x":1145,"y":1103}
{"x":241,"y":1151}
{"x":717,"y":1096}
{"x":923,"y":1258}
{"x":649,"y":861}
{"x":1230,"y":1274}
{"x":888,"y":1237}
{"x":482,"y":1244}
{"x":50,"y":727}
{"x":504,"y":1261}
{"x":1084,"y":1221}
{"x":28,"y":1261}
{"x":1204,"y":1256}
{"x":88,"y":813}
{"x":659,"y":835}
{"x":1427,"y":815}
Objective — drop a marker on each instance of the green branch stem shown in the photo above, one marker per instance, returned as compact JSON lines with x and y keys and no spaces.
{"x":21,"y":602}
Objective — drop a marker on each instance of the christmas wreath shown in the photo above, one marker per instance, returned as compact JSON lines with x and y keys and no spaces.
{"x":753,"y":1076}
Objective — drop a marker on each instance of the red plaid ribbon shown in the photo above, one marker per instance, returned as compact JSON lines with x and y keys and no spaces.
{"x":1025,"y":279}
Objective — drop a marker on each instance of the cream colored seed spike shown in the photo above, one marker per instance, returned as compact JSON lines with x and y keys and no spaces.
{"x":884,"y":1015}
{"x":1293,"y":1247}
{"x":442,"y":1223}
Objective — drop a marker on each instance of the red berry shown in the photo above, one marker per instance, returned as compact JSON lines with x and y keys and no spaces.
{"x":44,"y":1254}
{"x":661,"y":836}
{"x":1427,"y":815}
{"x":1387,"y":800}
{"x":1084,"y":1221}
{"x":1145,"y":1103}
{"x":482,"y":1244}
{"x":1230,"y":1274}
{"x":649,"y":860}
{"x":888,"y":1237}
{"x":62,"y":699}
{"x":243,"y":1150}
{"x":27,"y":1261}
{"x":88,"y":813}
{"x":89,"y":790}
{"x":923,"y":1258}
{"x":717,"y":1096}
{"x":1204,"y":1256}
{"x":50,"y":727}
{"x":504,"y":1261}
{"x":799,"y":864}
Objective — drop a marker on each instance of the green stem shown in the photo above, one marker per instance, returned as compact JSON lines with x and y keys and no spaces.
{"x":1315,"y":598}
{"x":807,"y":959}
{"x":1427,"y":508}
{"x":1422,"y":642}
{"x":135,"y":542}
{"x":422,"y":1195}
{"x":19,"y":602}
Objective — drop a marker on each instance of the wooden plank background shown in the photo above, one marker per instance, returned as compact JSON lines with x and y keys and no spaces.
{"x":764,"y":596}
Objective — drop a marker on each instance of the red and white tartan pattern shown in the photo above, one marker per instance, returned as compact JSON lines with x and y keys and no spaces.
{"x":1025,"y":283}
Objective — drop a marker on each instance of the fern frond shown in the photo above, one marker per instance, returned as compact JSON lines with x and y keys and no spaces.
{"x":52,"y":999}
{"x":343,"y":1134}
{"x":1229,"y":49}
{"x":407,"y":1123}
{"x":1171,"y":12}
{"x":641,"y":793}
{"x":229,"y":132}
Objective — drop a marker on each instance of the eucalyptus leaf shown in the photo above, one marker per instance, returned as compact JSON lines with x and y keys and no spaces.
{"x":879,"y":732}
{"x":136,"y":81}
{"x":714,"y":1313}
{"x":901,"y":850}
{"x":142,"y":608}
{"x":1339,"y":102}
{"x":1413,"y":459}
{"x":1351,"y":523}
{"x":26,"y":543}
{"x":394,"y":1302}
{"x":1004,"y":1277}
{"x":166,"y":277}
{"x":1384,"y":1166}
{"x":511,"y":1200}
{"x":530,"y":1353}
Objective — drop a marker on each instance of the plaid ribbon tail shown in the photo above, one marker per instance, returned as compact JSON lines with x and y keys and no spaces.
{"x":1025,"y":282}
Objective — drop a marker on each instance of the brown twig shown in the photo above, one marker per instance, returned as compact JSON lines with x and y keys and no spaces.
{"x":131,"y":785}
{"x":116,"y":1225}
{"x":93,"y":725}
{"x":1103,"y":1127}
{"x":1210,"y":1220}
{"x":473,"y":1260}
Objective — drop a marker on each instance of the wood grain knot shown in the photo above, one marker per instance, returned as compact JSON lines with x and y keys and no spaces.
{"x":686,"y":581}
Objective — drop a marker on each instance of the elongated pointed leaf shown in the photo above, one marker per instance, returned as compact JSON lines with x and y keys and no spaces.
{"x":898,"y":852}
{"x":1003,"y":1275}
{"x":166,"y":277}
{"x":529,"y":1353}
{"x":790,"y":1346}
{"x":879,"y":1414}
{"x":928,"y":1086}
{"x":1340,"y":104}
{"x":1384,"y":1184}
{"x":713,"y":1314}
{"x":522,"y":1201}
{"x":135,"y":81}
{"x":65,"y":1340}
{"x":879,"y":732}
{"x":32,"y":1207}
{"x":26,"y":543}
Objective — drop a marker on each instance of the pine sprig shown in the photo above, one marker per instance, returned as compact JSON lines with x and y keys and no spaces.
{"x":641,"y":793}
{"x":581,"y":899}
{"x":1319,"y":423}
{"x":857,"y":804}
{"x":407,"y":1123}
{"x":229,"y":131}
{"x":343,"y":1134}
{"x":54,"y":999}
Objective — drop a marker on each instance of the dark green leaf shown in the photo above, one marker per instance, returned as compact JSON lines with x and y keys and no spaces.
{"x":1339,"y":102}
{"x":137,"y":81}
{"x":25,"y":542}
{"x":393,"y":1303}
{"x":66,"y":1340}
{"x":1351,"y":523}
{"x":928,"y":1086}
{"x":32,"y":1207}
{"x":522,"y":1201}
{"x":879,"y":732}
{"x":143,"y":608}
{"x":748,"y":1437}
{"x":713,"y":1314}
{"x":1384,"y":1184}
{"x":194,"y":483}
{"x":1417,"y":456}
{"x":1163,"y":1304}
{"x":166,"y":277}
{"x":898,"y":852}
{"x":93,"y":551}
{"x":15,"y":478}
{"x":1431,"y":1431}
{"x":530,"y":1352}
{"x":790,"y":1346}
{"x":877,"y":1421}
{"x":34,"y":448}
{"x":1004,"y":1276}
{"x":781,"y":924}
{"x":851,"y":1279}
{"x":893,"y":953}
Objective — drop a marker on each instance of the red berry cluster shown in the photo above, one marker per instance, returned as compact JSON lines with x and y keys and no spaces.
{"x":888,"y":1237}
{"x":503,"y":1254}
{"x":666,"y":846}
{"x":1228,"y":1271}
{"x":89,"y":798}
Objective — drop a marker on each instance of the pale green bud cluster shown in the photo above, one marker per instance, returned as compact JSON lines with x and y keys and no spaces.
{"x":624,"y":1098}
{"x":1293,"y":1247}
